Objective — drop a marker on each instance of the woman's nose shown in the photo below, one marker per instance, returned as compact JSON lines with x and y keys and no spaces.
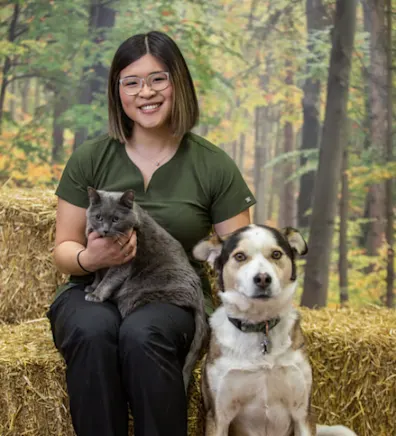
{"x":146,"y":90}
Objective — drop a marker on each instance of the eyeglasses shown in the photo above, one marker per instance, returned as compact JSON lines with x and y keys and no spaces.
{"x":132,"y":85}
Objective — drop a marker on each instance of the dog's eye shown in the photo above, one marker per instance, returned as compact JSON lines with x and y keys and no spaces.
{"x":239,"y":257}
{"x":276,"y":254}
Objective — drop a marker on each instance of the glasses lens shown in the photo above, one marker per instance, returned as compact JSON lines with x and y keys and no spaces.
{"x":131,"y":85}
{"x":158,"y":81}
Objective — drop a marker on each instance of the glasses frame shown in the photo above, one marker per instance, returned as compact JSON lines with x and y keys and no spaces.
{"x":144,"y":80}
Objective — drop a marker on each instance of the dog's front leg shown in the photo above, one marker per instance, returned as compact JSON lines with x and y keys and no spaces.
{"x":302,"y":427}
{"x":215,"y":426}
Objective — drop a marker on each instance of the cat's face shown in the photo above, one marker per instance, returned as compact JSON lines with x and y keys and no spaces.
{"x":110,"y":213}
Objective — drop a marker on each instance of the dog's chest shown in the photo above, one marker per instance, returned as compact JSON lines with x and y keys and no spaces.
{"x":259,"y":390}
{"x":263,"y":380}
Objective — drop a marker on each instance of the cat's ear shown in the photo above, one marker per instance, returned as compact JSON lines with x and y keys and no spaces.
{"x":127,"y":198}
{"x":93,"y":195}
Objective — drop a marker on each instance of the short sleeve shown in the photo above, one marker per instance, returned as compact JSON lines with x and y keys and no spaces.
{"x":76,"y":177}
{"x":230,"y":193}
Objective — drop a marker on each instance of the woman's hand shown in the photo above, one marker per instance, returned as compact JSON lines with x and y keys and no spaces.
{"x":103,"y":252}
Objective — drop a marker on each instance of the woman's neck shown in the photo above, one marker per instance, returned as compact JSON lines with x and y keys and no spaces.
{"x":152,"y":141}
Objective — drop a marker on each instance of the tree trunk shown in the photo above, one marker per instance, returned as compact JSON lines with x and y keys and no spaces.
{"x":310,"y":106}
{"x":390,"y":270}
{"x":24,"y":88}
{"x":101,"y":19}
{"x":202,"y":130}
{"x":60,"y":106}
{"x":274,"y":181}
{"x":37,"y":96}
{"x":326,"y":186}
{"x":7,"y":61}
{"x":287,"y":208}
{"x":374,"y":209}
{"x":13,"y":101}
{"x":343,"y":258}
{"x":234,"y":150}
{"x":241,"y":157}
{"x":259,"y":162}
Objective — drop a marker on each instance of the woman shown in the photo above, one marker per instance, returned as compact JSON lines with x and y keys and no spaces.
{"x":188,"y":185}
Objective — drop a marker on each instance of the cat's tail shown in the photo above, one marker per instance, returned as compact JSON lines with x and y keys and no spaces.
{"x":200,"y":337}
{"x":333,"y":430}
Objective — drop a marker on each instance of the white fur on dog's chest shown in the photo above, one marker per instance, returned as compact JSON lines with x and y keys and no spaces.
{"x":264,"y":387}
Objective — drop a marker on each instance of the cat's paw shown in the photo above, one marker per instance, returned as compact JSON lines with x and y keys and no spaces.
{"x":93,"y":298}
{"x":89,"y":289}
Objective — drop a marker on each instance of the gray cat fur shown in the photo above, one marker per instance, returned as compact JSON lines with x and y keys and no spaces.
{"x":160,"y":271}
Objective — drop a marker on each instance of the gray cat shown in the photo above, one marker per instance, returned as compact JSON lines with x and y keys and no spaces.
{"x":160,"y":271}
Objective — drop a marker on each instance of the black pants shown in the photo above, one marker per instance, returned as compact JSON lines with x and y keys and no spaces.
{"x":111,"y":363}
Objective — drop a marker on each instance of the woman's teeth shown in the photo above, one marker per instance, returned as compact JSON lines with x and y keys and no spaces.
{"x":150,"y":107}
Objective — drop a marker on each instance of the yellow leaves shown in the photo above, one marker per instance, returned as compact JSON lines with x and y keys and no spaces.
{"x":367,"y":175}
{"x":25,"y":158}
{"x":21,"y":48}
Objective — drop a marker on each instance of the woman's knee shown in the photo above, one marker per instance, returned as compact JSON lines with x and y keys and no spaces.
{"x":136,"y":337}
{"x":157,"y":328}
{"x":79,"y":323}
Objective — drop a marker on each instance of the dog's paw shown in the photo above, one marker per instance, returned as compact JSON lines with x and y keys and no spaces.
{"x":93,"y":298}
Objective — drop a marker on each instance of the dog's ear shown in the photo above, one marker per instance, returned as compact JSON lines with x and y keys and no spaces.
{"x":296,"y":240}
{"x":208,"y":249}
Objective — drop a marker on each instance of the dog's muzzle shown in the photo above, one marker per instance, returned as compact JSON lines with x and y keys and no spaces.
{"x":263,"y":285}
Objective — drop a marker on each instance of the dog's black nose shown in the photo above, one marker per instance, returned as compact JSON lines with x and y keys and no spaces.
{"x":262,"y":279}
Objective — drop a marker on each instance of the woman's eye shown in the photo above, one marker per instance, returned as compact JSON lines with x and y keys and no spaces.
{"x":131,"y":83}
{"x":239,"y":257}
{"x":276,"y":254}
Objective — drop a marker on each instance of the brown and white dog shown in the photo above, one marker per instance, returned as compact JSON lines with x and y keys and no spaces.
{"x":256,"y":378}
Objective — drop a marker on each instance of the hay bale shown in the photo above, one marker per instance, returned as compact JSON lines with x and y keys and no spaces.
{"x":28,"y":277}
{"x":352,"y":351}
{"x":353,"y":355}
{"x":34,"y":399}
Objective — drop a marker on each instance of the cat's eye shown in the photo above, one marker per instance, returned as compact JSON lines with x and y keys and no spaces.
{"x":240,"y":257}
{"x":98,"y":216}
{"x":276,"y":254}
{"x":115,"y":219}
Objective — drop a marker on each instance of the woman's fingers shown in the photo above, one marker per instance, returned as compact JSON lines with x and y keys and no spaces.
{"x":123,"y":240}
{"x":127,"y":246}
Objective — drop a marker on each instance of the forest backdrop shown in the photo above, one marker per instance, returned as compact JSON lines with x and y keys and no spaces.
{"x":298,"y":92}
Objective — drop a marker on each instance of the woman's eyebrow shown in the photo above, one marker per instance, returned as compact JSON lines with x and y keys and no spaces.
{"x":154,"y":72}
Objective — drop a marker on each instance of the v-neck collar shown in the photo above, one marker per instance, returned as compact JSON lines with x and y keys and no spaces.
{"x":170,"y":162}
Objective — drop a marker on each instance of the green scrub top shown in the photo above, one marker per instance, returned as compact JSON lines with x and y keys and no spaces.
{"x":198,"y":187}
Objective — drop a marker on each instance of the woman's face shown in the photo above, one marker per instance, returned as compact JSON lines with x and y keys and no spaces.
{"x":149,"y":108}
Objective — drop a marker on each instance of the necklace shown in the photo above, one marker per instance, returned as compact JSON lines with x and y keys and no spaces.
{"x":156,"y":163}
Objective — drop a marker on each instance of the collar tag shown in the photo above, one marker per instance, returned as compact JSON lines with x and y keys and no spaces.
{"x":262,"y":327}
{"x":265,"y":345}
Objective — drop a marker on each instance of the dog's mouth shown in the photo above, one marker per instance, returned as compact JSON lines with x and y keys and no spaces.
{"x":262,"y":295}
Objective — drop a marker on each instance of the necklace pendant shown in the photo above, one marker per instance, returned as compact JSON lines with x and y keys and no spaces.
{"x":157,"y":164}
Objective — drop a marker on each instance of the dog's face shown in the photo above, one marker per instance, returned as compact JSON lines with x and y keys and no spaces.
{"x":255,"y":261}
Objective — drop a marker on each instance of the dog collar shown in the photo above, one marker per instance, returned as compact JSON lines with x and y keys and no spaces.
{"x":261,"y":327}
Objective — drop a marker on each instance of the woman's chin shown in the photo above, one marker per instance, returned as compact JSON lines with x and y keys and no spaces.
{"x":151,"y":124}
